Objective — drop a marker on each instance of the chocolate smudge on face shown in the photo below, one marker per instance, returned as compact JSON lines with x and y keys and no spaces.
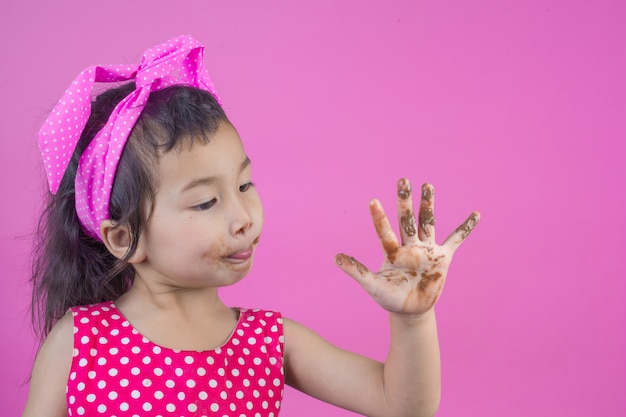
{"x":408,"y":223}
{"x":404,"y":189}
{"x":427,"y":279}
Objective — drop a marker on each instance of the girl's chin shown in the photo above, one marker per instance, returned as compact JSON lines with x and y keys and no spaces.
{"x":239,"y":270}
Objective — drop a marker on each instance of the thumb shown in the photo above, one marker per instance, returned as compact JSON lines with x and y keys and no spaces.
{"x":355,"y":269}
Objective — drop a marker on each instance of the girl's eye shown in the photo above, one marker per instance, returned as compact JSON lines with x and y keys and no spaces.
{"x":205,"y":206}
{"x":245,"y":187}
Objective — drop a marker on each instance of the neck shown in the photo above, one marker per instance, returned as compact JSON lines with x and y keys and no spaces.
{"x":188,"y":319}
{"x":157,"y":299}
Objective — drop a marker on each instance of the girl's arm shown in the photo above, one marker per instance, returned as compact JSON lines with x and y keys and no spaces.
{"x":46,"y":396}
{"x":408,"y":285}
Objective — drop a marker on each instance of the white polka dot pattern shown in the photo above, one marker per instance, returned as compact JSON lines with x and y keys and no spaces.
{"x":177,"y":61}
{"x":118,"y":372}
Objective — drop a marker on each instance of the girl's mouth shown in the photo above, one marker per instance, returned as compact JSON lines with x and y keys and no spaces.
{"x":242,"y":255}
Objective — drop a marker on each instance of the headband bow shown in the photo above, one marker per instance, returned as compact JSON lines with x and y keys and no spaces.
{"x":174,"y":62}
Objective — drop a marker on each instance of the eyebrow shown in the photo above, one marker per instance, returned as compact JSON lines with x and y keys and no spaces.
{"x":209,"y":180}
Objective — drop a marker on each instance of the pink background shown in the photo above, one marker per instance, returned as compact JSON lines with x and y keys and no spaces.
{"x":516,"y":109}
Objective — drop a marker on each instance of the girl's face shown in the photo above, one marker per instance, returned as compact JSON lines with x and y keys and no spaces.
{"x":207,"y":216}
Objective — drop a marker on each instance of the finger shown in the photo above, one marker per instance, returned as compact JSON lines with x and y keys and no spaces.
{"x":387,"y":237}
{"x":406,"y":217}
{"x":351,"y":266}
{"x":355,"y":269}
{"x":426,"y":228}
{"x":462,"y":232}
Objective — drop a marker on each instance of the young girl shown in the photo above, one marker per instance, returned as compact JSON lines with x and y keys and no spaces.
{"x":152,"y":211}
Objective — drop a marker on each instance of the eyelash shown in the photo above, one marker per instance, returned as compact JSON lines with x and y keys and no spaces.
{"x":207,"y":205}
{"x":245,"y":187}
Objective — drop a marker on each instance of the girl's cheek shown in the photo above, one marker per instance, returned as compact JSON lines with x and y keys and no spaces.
{"x":258,"y":207}
{"x":261,"y":217}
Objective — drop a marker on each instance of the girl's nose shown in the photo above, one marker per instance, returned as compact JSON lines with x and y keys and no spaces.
{"x":240,"y":219}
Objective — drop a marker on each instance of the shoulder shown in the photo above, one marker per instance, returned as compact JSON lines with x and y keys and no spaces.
{"x":262,"y":322}
{"x":106,"y":308}
{"x":262,"y":318}
{"x":51,"y":369}
{"x":260,"y":313}
{"x":88,"y":317}
{"x":60,"y":340}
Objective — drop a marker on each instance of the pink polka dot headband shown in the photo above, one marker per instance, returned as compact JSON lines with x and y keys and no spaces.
{"x":174,"y":62}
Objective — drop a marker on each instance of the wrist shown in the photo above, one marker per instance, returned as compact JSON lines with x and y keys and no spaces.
{"x":411,"y":319}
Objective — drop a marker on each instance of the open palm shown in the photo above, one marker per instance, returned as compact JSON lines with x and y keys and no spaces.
{"x":413,"y":275}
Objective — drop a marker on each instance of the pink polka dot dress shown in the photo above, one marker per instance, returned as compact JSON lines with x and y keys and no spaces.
{"x":118,"y":372}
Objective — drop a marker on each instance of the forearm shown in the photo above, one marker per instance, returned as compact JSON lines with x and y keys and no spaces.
{"x":408,"y":285}
{"x":412,"y":372}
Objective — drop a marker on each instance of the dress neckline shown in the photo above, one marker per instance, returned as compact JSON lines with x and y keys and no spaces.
{"x":237,"y":329}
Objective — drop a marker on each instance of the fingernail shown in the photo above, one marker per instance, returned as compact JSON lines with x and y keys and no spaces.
{"x":427,"y":191}
{"x":404,"y":189}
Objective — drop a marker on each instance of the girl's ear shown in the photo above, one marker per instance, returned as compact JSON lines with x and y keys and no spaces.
{"x":116,"y":238}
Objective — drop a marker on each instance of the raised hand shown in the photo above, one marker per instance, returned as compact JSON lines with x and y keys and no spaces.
{"x":413,"y":275}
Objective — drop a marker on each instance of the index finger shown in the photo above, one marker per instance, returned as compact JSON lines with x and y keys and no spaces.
{"x":387,"y":237}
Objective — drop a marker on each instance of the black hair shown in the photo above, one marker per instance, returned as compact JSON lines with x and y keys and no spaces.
{"x":70,"y":268}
